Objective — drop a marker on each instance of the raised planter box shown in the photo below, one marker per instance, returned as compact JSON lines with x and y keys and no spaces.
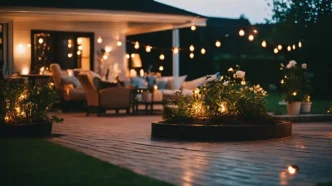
{"x":31,"y":130}
{"x":192,"y":132}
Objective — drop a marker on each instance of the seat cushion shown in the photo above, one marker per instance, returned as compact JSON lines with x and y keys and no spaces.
{"x":176,"y":82}
{"x":71,"y":80}
{"x":75,"y":94}
{"x":191,"y":85}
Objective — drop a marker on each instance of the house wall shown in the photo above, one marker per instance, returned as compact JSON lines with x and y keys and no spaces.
{"x":110,"y":33}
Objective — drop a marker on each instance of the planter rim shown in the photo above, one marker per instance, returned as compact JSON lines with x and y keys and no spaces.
{"x":215,"y":125}
{"x":27,"y":124}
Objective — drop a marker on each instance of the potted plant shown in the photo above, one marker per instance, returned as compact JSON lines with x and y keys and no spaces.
{"x":25,"y":111}
{"x":306,"y":105}
{"x":294,"y":85}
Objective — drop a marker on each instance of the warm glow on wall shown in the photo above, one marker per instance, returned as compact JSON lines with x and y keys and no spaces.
{"x":20,"y":49}
{"x":99,"y":40}
{"x":29,"y":45}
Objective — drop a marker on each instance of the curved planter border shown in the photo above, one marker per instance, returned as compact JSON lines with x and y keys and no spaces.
{"x":220,"y":132}
{"x":42,"y":129}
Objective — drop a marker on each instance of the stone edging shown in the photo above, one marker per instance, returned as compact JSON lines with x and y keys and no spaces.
{"x":304,"y":118}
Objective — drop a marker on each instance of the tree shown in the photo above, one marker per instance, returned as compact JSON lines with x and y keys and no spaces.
{"x":308,"y":21}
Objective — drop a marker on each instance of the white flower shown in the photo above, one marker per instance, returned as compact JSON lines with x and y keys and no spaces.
{"x":289,"y":66}
{"x":251,"y":89}
{"x":230,"y":70}
{"x":225,"y":83}
{"x":304,"y":66}
{"x":240,"y":74}
{"x":292,"y":62}
{"x":221,"y":78}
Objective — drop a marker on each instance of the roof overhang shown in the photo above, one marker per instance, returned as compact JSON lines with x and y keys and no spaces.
{"x":31,"y":13}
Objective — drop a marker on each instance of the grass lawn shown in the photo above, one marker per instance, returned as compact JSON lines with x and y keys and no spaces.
{"x":39,"y":162}
{"x":272,"y":100}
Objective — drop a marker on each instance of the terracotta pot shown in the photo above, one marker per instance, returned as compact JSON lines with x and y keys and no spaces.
{"x":306,"y":107}
{"x":293,"y":108}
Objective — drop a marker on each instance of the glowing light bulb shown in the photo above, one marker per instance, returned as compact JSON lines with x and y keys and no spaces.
{"x":275,"y":51}
{"x":155,"y":87}
{"x":80,"y":40}
{"x":79,"y":52}
{"x":175,"y":50}
{"x":218,"y":44}
{"x":289,"y":48}
{"x":29,"y":45}
{"x":127,"y":56}
{"x":119,"y":43}
{"x":191,"y":48}
{"x":108,"y":49}
{"x":161,"y":68}
{"x":203,"y":51}
{"x":282,"y":81}
{"x":255,"y":31}
{"x":279,"y":47}
{"x":105,"y":57}
{"x":292,"y":169}
{"x":243,"y":82}
{"x":191,"y":55}
{"x":294,"y":93}
{"x":162,"y":56}
{"x":99,"y":40}
{"x":148,"y":48}
{"x":40,"y":40}
{"x":251,"y":37}
{"x":69,"y":45}
{"x":241,"y":32}
{"x":132,"y":55}
{"x":300,"y":44}
{"x":193,"y":27}
{"x":264,"y":44}
{"x":80,"y":47}
{"x":70,"y":55}
{"x":136,"y":46}
{"x":294,"y":47}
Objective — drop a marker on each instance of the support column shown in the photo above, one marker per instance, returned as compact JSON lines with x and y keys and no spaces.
{"x":176,"y":57}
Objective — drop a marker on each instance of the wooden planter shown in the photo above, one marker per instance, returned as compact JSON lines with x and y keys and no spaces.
{"x":193,"y":132}
{"x":42,"y":129}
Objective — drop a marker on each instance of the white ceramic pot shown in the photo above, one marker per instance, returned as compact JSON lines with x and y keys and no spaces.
{"x":293,"y":108}
{"x":306,"y":107}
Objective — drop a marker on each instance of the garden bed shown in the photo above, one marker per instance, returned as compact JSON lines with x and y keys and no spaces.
{"x":199,"y":132}
{"x":41,"y":129}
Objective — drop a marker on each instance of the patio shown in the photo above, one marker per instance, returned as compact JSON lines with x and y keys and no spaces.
{"x":126,"y":142}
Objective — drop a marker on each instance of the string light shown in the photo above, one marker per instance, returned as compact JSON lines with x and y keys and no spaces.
{"x":132,"y":55}
{"x":289,"y":48}
{"x":29,"y":45}
{"x":108,"y":49}
{"x":136,"y":45}
{"x":218,"y":43}
{"x":279,"y":47}
{"x":300,"y":44}
{"x":105,"y":57}
{"x":40,"y":40}
{"x":79,"y":52}
{"x":127,"y":56}
{"x":193,"y":27}
{"x":255,"y":31}
{"x":70,"y":55}
{"x":175,"y":50}
{"x":203,"y":51}
{"x":119,"y":43}
{"x":264,"y":44}
{"x":162,"y":56}
{"x":79,"y":41}
{"x":80,"y":47}
{"x":251,"y":38}
{"x":241,"y":32}
{"x":275,"y":50}
{"x":99,"y":40}
{"x":69,"y":45}
{"x":294,"y":93}
{"x":191,"y":55}
{"x":294,"y":47}
{"x":161,"y":68}
{"x":192,"y":48}
{"x":148,"y":48}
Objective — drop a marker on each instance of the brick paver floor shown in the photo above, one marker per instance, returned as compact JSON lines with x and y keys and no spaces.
{"x":126,"y":142}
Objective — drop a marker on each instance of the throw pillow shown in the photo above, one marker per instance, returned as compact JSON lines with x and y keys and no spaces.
{"x":161,"y":84}
{"x":71,"y":80}
{"x":191,"y":85}
{"x":100,"y":84}
{"x":176,"y":82}
{"x":151,"y":81}
{"x":139,"y":82}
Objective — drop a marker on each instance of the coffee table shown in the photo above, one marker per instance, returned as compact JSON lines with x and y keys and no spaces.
{"x":148,"y":104}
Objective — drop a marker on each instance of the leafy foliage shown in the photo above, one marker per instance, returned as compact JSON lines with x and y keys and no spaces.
{"x":227,"y":100}
{"x":25,"y":104}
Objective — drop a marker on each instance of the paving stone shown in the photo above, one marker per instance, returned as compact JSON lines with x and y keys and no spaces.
{"x":126,"y":142}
